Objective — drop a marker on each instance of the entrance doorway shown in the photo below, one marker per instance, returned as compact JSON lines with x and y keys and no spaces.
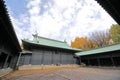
{"x":3,"y":57}
{"x":9,"y":61}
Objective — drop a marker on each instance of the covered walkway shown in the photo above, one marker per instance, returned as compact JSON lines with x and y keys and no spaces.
{"x":104,"y":56}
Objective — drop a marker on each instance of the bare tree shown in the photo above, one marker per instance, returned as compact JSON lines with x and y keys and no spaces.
{"x":102,"y":38}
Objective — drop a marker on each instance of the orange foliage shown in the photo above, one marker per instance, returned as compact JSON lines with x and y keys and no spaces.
{"x":83,"y":43}
{"x":79,"y":42}
{"x":90,"y":44}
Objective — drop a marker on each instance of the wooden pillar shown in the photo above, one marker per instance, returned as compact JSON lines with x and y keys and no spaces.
{"x":6,"y":60}
{"x":60,"y":57}
{"x":98,"y":60}
{"x":113,"y":64}
{"x":18,"y":59}
{"x":42,"y":61}
{"x":30,"y":61}
{"x":52,"y":57}
{"x":80,"y":60}
{"x":88,"y":62}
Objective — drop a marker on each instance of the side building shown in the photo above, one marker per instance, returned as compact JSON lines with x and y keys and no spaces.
{"x":104,"y":56}
{"x":9,"y":46}
{"x":44,"y":51}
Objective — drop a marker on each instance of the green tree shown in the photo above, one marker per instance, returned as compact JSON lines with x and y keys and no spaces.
{"x":115,"y":33}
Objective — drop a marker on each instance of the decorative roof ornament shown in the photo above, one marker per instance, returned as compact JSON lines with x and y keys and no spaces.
{"x":65,"y":41}
{"x":36,"y":33}
{"x":36,"y":36}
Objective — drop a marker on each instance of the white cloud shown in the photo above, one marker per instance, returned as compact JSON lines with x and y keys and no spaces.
{"x":68,"y":14}
{"x":21,"y":32}
{"x":62,"y":20}
{"x":65,"y":3}
{"x":32,"y":3}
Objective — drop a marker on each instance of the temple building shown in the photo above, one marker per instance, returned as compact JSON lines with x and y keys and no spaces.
{"x":104,"y":56}
{"x":44,"y":51}
{"x":9,"y":46}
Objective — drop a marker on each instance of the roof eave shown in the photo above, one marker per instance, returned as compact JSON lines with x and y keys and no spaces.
{"x":52,"y":46}
{"x":112,"y":7}
{"x":10,"y":29}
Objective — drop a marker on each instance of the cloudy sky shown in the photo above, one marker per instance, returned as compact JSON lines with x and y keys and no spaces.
{"x":57,"y":19}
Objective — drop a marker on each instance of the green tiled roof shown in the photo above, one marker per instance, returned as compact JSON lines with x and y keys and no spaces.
{"x":51,"y":43}
{"x":99,"y":50}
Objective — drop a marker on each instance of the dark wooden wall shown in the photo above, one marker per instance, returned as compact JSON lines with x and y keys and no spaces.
{"x":47,"y":57}
{"x":102,"y":59}
{"x":8,"y":56}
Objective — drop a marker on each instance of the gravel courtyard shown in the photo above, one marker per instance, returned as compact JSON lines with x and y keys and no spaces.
{"x":70,"y":74}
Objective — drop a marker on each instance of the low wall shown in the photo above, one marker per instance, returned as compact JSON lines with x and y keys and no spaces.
{"x":28,"y":67}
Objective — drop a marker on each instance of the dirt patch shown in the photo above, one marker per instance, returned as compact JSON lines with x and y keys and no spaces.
{"x":24,"y":72}
{"x":18,"y":73}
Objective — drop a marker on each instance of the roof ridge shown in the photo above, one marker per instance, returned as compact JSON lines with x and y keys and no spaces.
{"x":50,"y":39}
{"x":69,"y":48}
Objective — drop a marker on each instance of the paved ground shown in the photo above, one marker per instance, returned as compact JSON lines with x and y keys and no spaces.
{"x":73,"y":74}
{"x":5,"y":71}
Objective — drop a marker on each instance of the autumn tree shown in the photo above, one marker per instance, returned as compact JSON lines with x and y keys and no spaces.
{"x":95,"y":40}
{"x":115,"y":33}
{"x":83,"y":43}
{"x":78,"y":42}
{"x":90,"y":45}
